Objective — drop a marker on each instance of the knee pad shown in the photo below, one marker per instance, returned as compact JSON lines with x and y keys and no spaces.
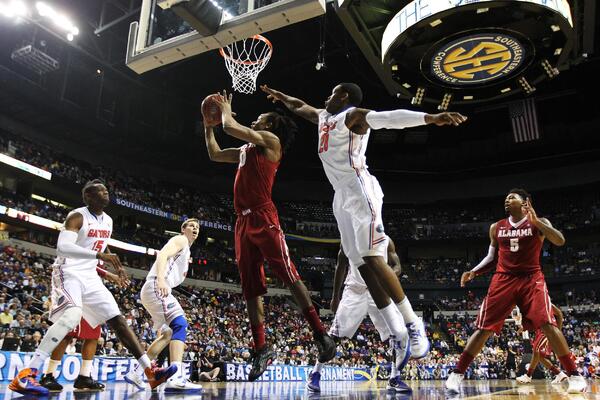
{"x":179,"y":326}
{"x":70,"y":317}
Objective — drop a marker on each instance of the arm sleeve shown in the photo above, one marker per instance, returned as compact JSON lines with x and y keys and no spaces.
{"x":66,"y":247}
{"x":395,"y":119}
{"x":486,"y":260}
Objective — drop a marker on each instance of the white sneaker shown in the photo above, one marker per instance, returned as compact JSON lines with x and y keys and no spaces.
{"x":577,"y":384}
{"x":524,"y":379}
{"x":135,"y":379}
{"x":181,"y":385}
{"x":558,"y":379}
{"x":419,"y":344}
{"x":453,"y":382}
{"x":401,"y":349}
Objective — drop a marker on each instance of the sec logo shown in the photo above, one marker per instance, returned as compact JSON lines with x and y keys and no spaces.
{"x":477,"y":59}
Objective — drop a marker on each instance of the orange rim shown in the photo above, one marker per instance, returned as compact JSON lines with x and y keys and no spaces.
{"x":258,"y":37}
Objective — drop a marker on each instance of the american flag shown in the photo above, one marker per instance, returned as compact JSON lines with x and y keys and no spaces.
{"x":523,"y":117}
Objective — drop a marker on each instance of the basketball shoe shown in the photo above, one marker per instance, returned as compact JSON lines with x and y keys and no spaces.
{"x":49,"y":382}
{"x":524,"y":379}
{"x":25,"y":383}
{"x":326,"y":346}
{"x":419,"y":344}
{"x":261,"y":360}
{"x":577,"y":384}
{"x":181,"y":385}
{"x":314,"y":382}
{"x":558,"y":379}
{"x":453,"y":382}
{"x":398,"y":385}
{"x":87,"y":383}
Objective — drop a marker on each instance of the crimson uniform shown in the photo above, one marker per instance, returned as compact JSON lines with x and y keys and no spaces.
{"x":518,"y":279}
{"x":540,"y":344}
{"x":258,"y":235}
{"x":85,"y":331}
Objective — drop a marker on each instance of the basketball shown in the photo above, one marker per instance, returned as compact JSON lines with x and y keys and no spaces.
{"x":210,"y":110}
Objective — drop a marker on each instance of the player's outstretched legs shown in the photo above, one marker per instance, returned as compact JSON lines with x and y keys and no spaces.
{"x":473,"y":347}
{"x":25,"y":381}
{"x":136,"y":375}
{"x":577,"y":383}
{"x":155,"y":375}
{"x":262,"y":356}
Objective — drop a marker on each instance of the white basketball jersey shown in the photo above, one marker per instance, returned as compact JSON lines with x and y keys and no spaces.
{"x":341,"y":151}
{"x":177,"y":267}
{"x":94,"y":235}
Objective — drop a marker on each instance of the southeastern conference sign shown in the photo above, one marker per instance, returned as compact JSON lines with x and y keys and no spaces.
{"x":476,"y":50}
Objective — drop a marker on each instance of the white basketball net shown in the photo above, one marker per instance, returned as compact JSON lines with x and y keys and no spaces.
{"x":245,"y":59}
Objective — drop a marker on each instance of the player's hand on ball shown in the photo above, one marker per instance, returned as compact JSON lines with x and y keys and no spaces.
{"x":466,"y":277}
{"x":163,"y":288}
{"x":224,"y":102}
{"x":272,"y":95}
{"x":335,"y":302}
{"x":448,"y":118}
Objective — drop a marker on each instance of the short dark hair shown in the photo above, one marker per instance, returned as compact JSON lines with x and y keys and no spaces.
{"x":283,"y":127}
{"x":88,"y":185}
{"x":355,"y":94}
{"x":521,"y":192}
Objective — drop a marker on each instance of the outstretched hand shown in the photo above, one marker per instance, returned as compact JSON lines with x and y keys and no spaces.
{"x":466,"y":277}
{"x":530,"y":212}
{"x":223,"y":101}
{"x":448,"y":118}
{"x":272,"y":94}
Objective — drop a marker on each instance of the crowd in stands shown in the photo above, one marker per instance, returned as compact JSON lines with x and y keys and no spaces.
{"x":219,"y":327}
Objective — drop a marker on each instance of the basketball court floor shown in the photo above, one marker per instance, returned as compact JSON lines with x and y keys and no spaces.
{"x":426,"y":390}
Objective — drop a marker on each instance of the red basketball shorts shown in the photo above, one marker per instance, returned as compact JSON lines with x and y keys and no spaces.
{"x":540,"y":344}
{"x":85,"y":331}
{"x":529,"y":292}
{"x":258,"y":237}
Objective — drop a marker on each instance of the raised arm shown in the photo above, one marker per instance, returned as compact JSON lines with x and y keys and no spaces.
{"x":341,"y":269}
{"x":548,"y":231}
{"x":484,"y":265}
{"x":297,"y":106}
{"x":264,"y":139}
{"x":215,"y":153}
{"x":359,"y":120}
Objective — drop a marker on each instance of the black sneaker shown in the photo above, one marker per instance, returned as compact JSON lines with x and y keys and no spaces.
{"x":326,"y":346}
{"x":87,"y":383}
{"x":261,"y":360}
{"x":49,"y":382}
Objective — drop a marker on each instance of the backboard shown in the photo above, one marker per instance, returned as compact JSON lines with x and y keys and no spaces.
{"x":160,"y":37}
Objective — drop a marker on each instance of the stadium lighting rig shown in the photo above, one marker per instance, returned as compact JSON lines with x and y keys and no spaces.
{"x":39,"y":12}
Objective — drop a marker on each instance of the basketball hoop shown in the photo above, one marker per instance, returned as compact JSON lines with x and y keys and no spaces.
{"x":245,"y":59}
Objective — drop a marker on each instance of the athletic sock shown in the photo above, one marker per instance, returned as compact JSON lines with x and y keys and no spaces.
{"x":568,"y":364}
{"x":38,"y":359}
{"x":407,"y":312}
{"x":530,"y":372}
{"x":179,"y":365}
{"x":313,"y":320}
{"x":86,"y":368}
{"x":393,"y":318}
{"x":52,"y":366}
{"x":258,"y":335}
{"x":318,"y":367}
{"x":463,"y":362}
{"x":144,"y":361}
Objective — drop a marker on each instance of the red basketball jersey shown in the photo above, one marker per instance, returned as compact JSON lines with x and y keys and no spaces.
{"x":519,"y":247}
{"x":253,"y":180}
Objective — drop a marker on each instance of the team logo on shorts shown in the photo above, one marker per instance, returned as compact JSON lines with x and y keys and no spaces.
{"x":379,"y":228}
{"x":170,"y":305}
{"x":478,"y":58}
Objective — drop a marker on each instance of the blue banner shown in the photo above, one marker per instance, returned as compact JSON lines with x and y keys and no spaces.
{"x":291,"y":373}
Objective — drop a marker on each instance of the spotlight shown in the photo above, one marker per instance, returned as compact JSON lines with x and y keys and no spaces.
{"x":527,"y":88}
{"x":418,"y":98}
{"x":551,"y":71}
{"x":13,"y":9}
{"x":445,"y":102}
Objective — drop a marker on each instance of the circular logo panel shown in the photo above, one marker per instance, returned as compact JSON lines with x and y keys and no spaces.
{"x":476,"y":59}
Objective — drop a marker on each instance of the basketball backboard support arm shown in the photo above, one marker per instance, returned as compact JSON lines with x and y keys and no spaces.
{"x":142,"y":57}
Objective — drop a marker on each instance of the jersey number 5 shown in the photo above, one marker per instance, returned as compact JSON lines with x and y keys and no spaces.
{"x":324,"y":145}
{"x":514,"y":245}
{"x":98,"y":245}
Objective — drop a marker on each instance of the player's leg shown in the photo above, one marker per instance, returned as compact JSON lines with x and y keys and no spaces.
{"x":536,"y":307}
{"x":65,"y":314}
{"x":90,"y":338}
{"x":178,"y":324}
{"x":535,"y":360}
{"x":496,"y":306}
{"x":48,"y":380}
{"x":559,"y":376}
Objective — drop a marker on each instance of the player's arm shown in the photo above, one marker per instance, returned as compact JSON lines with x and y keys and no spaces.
{"x":393,"y":259}
{"x":297,"y":106}
{"x":233,"y":128}
{"x":215,"y":153}
{"x":111,"y":277}
{"x":484,"y":265}
{"x":548,"y":231}
{"x":341,"y":269}
{"x":173,"y":246}
{"x":559,"y":316}
{"x":359,"y":120}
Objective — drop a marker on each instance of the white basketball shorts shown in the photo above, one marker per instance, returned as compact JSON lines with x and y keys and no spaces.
{"x":163,"y":310}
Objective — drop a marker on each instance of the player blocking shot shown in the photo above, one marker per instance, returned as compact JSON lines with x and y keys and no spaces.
{"x":518,"y":281}
{"x":343,"y":135}
{"x":169,"y":271}
{"x":78,"y":290}
{"x":353,"y":305}
{"x":258,"y":233}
